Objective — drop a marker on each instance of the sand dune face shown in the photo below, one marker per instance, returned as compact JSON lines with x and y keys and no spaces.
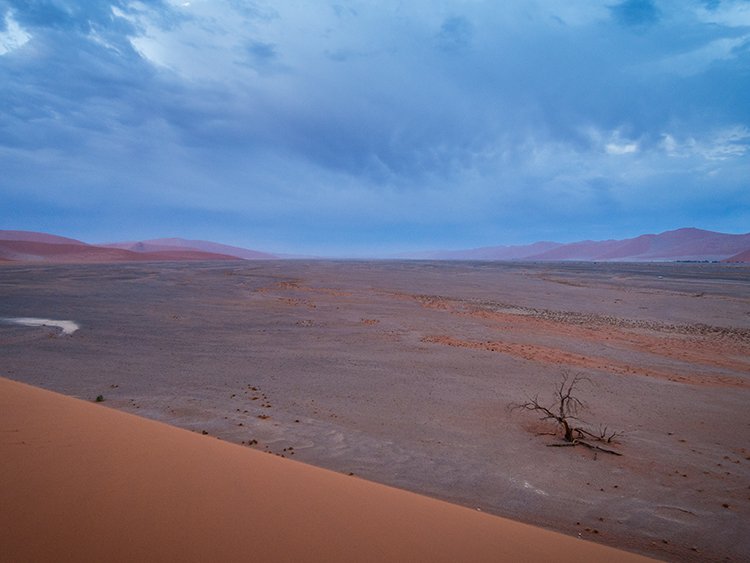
{"x":172,"y":244}
{"x":81,"y":253}
{"x":31,"y":236}
{"x":741,"y":257}
{"x":680,"y":244}
{"x":29,"y":246}
{"x":403,"y":373}
{"x":81,"y":482}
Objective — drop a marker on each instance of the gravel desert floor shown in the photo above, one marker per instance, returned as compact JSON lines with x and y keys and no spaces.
{"x":405,"y":373}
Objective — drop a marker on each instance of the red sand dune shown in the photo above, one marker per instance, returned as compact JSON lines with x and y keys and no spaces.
{"x":163,"y":244}
{"x":518,"y":252}
{"x":29,"y":246}
{"x":31,"y":236}
{"x":740,"y":257}
{"x":30,"y":251}
{"x":680,"y":244}
{"x":81,"y":482}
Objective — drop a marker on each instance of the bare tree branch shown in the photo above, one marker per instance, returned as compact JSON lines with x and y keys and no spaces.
{"x":565,"y":412}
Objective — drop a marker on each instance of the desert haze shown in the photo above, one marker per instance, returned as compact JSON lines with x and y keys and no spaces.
{"x":687,"y":244}
{"x":405,"y":374}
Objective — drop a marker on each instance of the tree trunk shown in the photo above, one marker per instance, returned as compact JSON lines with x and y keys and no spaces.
{"x":568,"y":430}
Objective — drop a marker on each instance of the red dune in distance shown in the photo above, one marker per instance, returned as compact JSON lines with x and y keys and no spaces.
{"x":31,"y":236}
{"x":518,"y":252}
{"x":171,"y":244}
{"x":686,"y":244}
{"x":82,"y":482}
{"x":29,"y":251}
{"x":29,"y":246}
{"x":741,"y":257}
{"x":681,"y":244}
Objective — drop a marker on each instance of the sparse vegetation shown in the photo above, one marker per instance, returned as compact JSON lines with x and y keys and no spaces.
{"x":99,"y":398}
{"x":565,"y":412}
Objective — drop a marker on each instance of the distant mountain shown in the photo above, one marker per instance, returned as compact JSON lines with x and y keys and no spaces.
{"x":490,"y":252}
{"x":26,"y":246}
{"x":687,"y":244}
{"x":171,"y":244}
{"x":681,"y":244}
{"x":741,"y":257}
{"x":31,"y":236}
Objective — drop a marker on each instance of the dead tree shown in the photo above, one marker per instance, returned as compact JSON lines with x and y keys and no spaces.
{"x":564,"y":411}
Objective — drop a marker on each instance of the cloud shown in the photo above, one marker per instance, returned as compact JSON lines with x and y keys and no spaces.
{"x":455,"y":34}
{"x":725,"y":144}
{"x":636,"y":13}
{"x":261,"y":51}
{"x":700,"y":59}
{"x":475,"y":121}
{"x":628,"y":148}
{"x":12,"y":36}
{"x":729,"y":13}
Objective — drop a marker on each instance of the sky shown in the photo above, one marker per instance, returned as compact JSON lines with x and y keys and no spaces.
{"x":372,"y":127}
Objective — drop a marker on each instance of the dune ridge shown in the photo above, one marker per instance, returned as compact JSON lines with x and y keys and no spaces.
{"x":82,"y":482}
{"x":60,"y":252}
{"x":173,"y":244}
{"x":686,"y":244}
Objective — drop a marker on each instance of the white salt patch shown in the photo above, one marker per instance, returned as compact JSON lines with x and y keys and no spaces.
{"x":67,"y":327}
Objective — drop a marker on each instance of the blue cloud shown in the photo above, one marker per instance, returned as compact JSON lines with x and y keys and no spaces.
{"x":261,"y":51}
{"x":73,"y":16}
{"x":636,"y":13}
{"x":455,"y":34}
{"x":409,"y":124}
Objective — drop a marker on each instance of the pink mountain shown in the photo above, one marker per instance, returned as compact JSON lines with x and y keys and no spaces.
{"x":172,"y":244}
{"x":490,"y":252}
{"x":31,"y":236}
{"x":26,"y":246}
{"x":681,"y":244}
{"x":741,"y":257}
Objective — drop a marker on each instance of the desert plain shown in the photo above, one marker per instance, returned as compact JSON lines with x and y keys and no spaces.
{"x":405,"y":372}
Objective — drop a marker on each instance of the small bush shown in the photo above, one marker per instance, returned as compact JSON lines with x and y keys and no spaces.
{"x":99,"y":398}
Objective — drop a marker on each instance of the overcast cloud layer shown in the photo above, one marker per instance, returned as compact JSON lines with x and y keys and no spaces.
{"x":363,"y":127}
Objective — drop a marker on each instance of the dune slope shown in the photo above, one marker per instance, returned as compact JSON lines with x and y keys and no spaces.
{"x":82,"y":482}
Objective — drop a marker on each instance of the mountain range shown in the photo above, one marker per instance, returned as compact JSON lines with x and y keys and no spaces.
{"x":27,"y":246}
{"x":688,"y":244}
{"x":171,"y":244}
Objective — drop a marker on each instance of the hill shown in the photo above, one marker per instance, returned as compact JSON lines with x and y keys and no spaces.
{"x":172,"y":244}
{"x":741,"y":257}
{"x":686,"y":244}
{"x":27,"y":246}
{"x":31,"y":236}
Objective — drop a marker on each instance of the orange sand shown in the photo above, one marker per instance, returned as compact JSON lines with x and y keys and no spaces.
{"x":81,"y":482}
